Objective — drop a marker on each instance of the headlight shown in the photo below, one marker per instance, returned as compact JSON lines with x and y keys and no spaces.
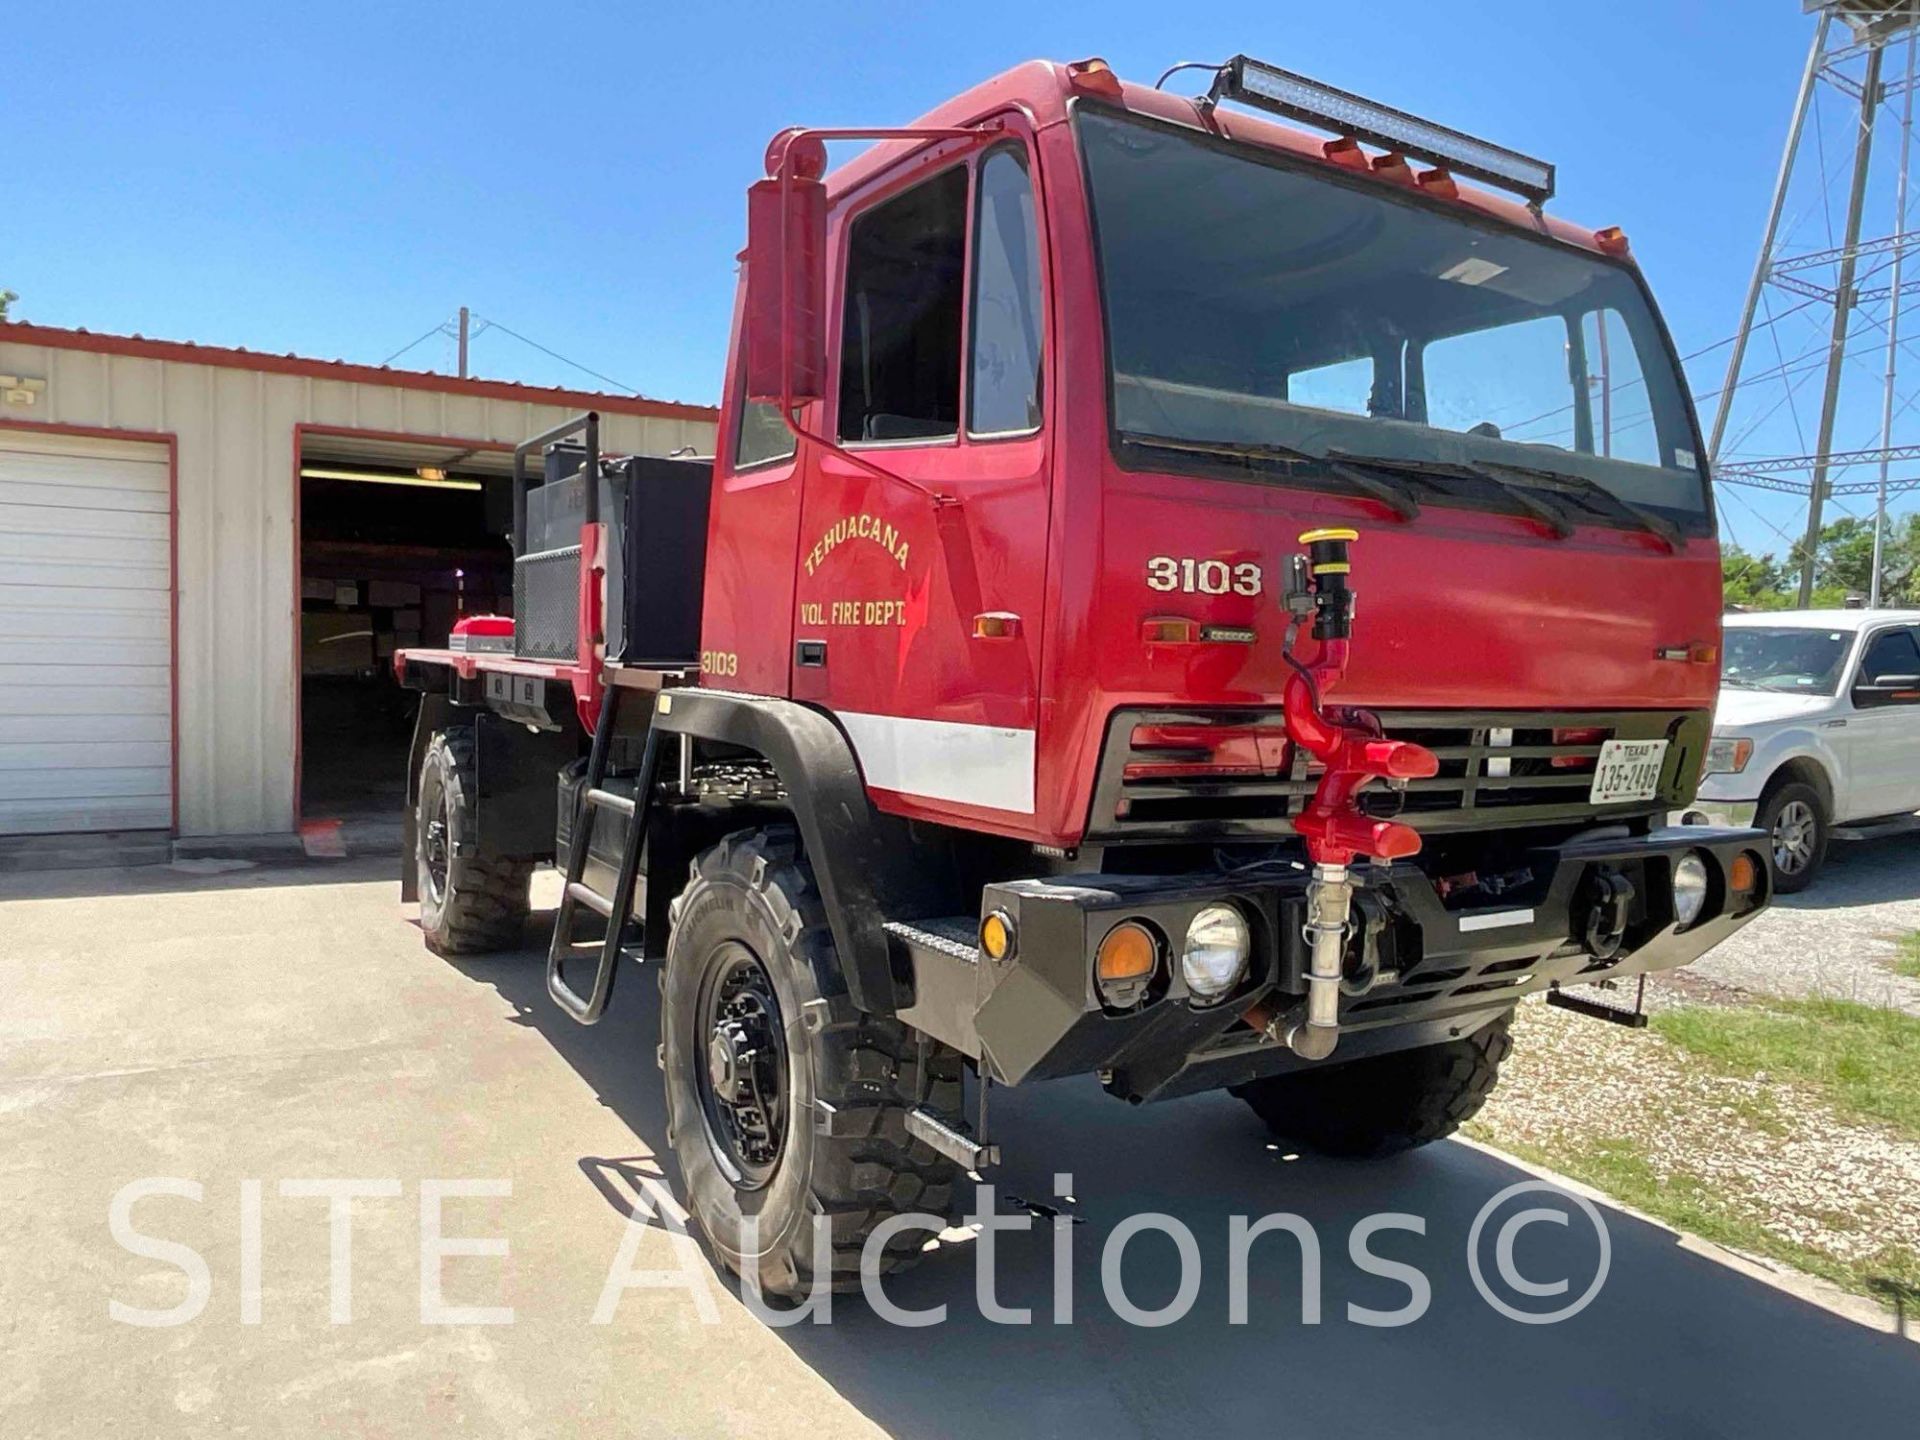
{"x":1689,"y":888}
{"x":1727,"y":755}
{"x":1214,"y":956}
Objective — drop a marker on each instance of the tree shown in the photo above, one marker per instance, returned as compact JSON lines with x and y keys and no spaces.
{"x":1752,"y":582}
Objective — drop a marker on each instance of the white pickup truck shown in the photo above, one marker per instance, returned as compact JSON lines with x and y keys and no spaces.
{"x":1817,"y":732}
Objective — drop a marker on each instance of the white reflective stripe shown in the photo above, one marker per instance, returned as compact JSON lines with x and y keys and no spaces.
{"x":988,"y":765}
{"x":1496,"y":919}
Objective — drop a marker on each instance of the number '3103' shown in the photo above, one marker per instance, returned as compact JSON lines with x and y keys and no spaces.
{"x":1203,"y":577}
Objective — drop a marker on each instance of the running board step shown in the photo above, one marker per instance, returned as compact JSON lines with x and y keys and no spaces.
{"x":1877,"y":829}
{"x":1598,"y":1004}
{"x":955,"y":936}
{"x":952,"y":1138}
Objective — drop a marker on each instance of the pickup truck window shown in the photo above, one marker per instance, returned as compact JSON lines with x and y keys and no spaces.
{"x":1787,"y":658}
{"x":1892,"y":652}
{"x":1252,"y":298}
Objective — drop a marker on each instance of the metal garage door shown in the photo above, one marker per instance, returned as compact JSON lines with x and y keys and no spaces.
{"x":85,"y":635}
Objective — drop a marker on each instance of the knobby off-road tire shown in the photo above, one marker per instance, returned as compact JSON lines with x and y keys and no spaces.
{"x":1385,"y":1103}
{"x":750,"y":949}
{"x":467,"y":906}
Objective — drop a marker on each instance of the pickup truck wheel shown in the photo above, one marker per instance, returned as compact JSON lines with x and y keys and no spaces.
{"x":784,"y":1103}
{"x":1384,"y":1104}
{"x":1796,"y":824}
{"x":468,"y":906}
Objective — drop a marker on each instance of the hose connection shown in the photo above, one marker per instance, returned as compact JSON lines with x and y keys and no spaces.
{"x":1353,"y":754}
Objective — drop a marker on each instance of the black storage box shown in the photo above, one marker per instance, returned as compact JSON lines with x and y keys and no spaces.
{"x":655,"y":510}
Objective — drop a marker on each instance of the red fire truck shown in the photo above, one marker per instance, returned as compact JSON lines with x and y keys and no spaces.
{"x":1177,"y":598}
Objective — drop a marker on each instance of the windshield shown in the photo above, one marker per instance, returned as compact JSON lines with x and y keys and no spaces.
{"x":1788,"y":658}
{"x":1250,"y":302}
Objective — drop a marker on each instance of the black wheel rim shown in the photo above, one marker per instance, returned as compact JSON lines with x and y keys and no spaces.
{"x":436,"y":849}
{"x":740,"y":1067}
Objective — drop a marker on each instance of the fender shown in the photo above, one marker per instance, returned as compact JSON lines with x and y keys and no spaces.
{"x":1799,"y":740}
{"x":870,"y":867}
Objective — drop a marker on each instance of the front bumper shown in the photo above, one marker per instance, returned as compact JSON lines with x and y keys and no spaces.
{"x":1419,"y":969}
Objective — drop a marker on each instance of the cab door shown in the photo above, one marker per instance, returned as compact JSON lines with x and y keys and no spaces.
{"x":1883,"y":734}
{"x":922,"y":561}
{"x":746,"y":628}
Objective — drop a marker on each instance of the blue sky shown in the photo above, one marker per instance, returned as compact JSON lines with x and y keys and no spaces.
{"x":334,"y":180}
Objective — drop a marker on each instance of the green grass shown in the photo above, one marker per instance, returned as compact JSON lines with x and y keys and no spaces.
{"x":1907,"y":962}
{"x":1622,"y":1170}
{"x":1862,"y":1059}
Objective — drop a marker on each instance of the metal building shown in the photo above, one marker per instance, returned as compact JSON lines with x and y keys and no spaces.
{"x":163,"y":617}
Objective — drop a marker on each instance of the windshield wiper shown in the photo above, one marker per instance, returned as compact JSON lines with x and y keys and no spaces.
{"x":1550,"y":515}
{"x":1395,"y":496}
{"x":1658,"y":526}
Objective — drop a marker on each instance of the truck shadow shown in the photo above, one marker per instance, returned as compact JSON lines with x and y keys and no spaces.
{"x":1673,"y":1343}
{"x":1863,"y":872}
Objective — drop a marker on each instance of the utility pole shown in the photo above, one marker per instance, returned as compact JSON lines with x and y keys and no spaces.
{"x":463,"y":342}
{"x":1840,"y":287}
{"x":1843,"y":303}
{"x":1893,"y":331}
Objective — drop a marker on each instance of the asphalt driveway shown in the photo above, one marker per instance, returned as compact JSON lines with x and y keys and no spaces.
{"x":288,"y":1025}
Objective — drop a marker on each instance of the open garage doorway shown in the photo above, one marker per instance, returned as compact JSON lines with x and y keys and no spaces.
{"x":399,"y":539}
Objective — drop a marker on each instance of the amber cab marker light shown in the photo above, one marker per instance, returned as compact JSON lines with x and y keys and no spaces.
{"x":996,"y":625}
{"x":1612,"y":240}
{"x":1094,"y":76}
{"x":1170,"y":630}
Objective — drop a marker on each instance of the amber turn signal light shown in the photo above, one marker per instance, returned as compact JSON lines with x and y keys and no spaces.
{"x":996,"y":935}
{"x":1743,"y":874}
{"x":1128,"y":953}
{"x":1125,"y":964}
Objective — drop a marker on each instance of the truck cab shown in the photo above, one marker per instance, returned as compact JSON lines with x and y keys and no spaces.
{"x":1182,"y":599}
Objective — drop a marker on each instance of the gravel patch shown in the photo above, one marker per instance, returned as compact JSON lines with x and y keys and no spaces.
{"x":1837,"y":937}
{"x":1768,"y":1151}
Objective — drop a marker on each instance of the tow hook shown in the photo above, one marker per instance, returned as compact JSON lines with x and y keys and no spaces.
{"x":1609,"y":897}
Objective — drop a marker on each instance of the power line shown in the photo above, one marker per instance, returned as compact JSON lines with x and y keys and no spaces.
{"x":564,"y":360}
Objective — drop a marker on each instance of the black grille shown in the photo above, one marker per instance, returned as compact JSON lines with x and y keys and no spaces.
{"x":546,"y":605}
{"x":1497,"y":769}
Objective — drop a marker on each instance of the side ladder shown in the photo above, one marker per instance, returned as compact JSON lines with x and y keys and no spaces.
{"x":622,"y":932}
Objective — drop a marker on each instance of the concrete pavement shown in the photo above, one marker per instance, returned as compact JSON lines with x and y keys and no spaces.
{"x":272,"y":1025}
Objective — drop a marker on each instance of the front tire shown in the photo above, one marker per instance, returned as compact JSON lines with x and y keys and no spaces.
{"x":468,"y":906}
{"x":1384,"y":1104}
{"x":761,"y":1046}
{"x":1795,"y":820}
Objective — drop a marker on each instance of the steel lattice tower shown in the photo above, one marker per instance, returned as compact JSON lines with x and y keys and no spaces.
{"x":1849,"y":56}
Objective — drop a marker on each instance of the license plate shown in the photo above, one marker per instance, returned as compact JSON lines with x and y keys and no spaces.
{"x":1627,"y":770}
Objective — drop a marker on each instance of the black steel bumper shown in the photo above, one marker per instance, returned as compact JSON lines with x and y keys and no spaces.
{"x":1420,"y":968}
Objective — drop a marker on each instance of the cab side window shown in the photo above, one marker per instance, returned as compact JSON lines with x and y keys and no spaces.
{"x":900,"y":327}
{"x":762,"y":436}
{"x":1892,"y":652}
{"x":1004,"y":388}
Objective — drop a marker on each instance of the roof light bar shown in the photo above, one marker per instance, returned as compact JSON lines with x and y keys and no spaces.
{"x":1281,"y":92}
